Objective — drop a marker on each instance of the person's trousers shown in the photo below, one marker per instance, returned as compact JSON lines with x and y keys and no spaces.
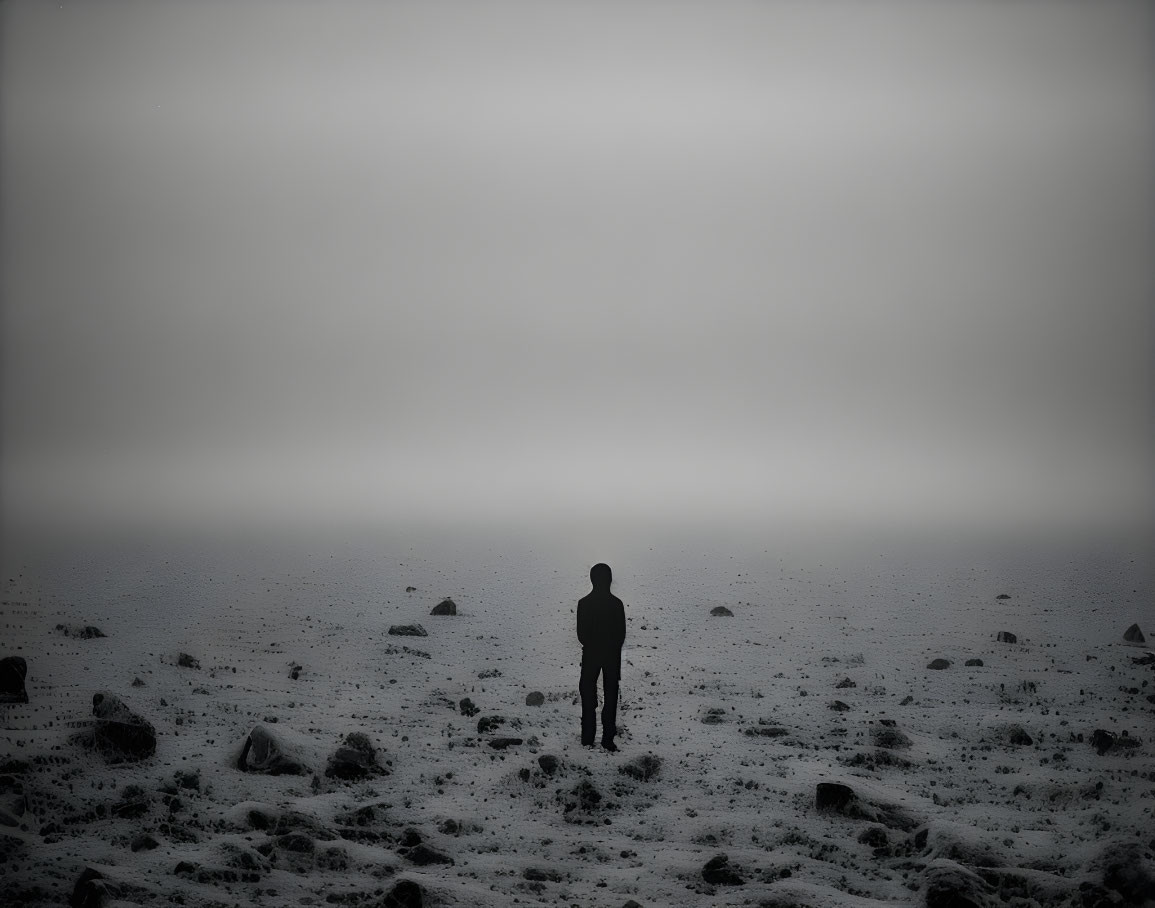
{"x":609,"y":666}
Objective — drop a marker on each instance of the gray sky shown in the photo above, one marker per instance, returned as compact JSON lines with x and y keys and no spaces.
{"x":845,"y":260}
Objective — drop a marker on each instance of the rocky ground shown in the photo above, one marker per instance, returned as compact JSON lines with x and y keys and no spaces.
{"x":855,"y":732}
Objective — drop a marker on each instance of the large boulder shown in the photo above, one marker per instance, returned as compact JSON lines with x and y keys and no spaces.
{"x":1134,"y":635}
{"x":408,"y":630}
{"x":355,"y":758}
{"x":938,"y":664}
{"x":13,"y":671}
{"x":268,"y":753}
{"x":1007,"y":637}
{"x":720,"y":611}
{"x":445,"y":607}
{"x":120,"y":734}
{"x":948,"y":884}
{"x":1126,"y":869}
{"x":404,"y":894}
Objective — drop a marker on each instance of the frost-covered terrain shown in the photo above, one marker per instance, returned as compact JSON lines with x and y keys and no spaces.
{"x":977,"y":783}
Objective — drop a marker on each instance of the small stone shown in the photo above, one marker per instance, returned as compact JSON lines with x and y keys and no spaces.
{"x":1002,"y":596}
{"x":503,"y":743}
{"x":408,"y":630}
{"x":404,"y":894}
{"x":974,"y":663}
{"x":445,"y":607}
{"x":1103,"y":740}
{"x":144,"y":842}
{"x":184,"y":660}
{"x":468,"y":707}
{"x":720,"y":611}
{"x":423,"y":855}
{"x":838,"y":706}
{"x":486,"y":724}
{"x":1134,"y":635}
{"x":535,"y":698}
{"x":845,"y":683}
{"x":1007,"y":637}
{"x":719,"y":872}
{"x":939,"y":664}
{"x":548,"y":763}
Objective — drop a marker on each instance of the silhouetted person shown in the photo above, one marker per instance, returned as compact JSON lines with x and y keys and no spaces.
{"x":601,"y":630}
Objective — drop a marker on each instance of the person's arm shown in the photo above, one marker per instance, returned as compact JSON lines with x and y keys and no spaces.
{"x":620,"y":622}
{"x":583,"y":622}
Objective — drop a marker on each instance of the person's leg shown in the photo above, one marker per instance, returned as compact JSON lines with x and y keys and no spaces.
{"x":611,"y":673}
{"x":588,"y":688}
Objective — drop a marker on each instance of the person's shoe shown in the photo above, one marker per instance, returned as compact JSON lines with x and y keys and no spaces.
{"x":610,"y":746}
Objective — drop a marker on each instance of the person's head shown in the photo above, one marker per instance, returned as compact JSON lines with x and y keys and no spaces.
{"x":600,"y":576}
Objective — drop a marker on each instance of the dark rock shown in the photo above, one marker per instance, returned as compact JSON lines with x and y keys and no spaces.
{"x":297,"y":842}
{"x":939,"y":664}
{"x":356,"y":758}
{"x":144,"y":842}
{"x":1103,"y":740}
{"x":1007,"y":637}
{"x":1127,"y":869}
{"x":422,"y":855}
{"x":408,"y":630}
{"x":468,"y":707}
{"x":535,"y":698}
{"x":874,"y":836}
{"x":845,"y":683}
{"x":1018,"y":736}
{"x":450,"y":827}
{"x":630,"y":903}
{"x":720,"y":872}
{"x":90,"y":891}
{"x":548,"y":763}
{"x":404,"y":894}
{"x":890,"y":738}
{"x":13,"y":671}
{"x":265,"y":752}
{"x":411,"y":589}
{"x":410,"y":838}
{"x":720,"y":611}
{"x":838,"y":706}
{"x":950,"y":885}
{"x":834,"y":796}
{"x":486,"y":724}
{"x":445,"y":607}
{"x":1134,"y":635}
{"x":642,"y":768}
{"x":119,"y":733}
{"x":134,"y":802}
{"x":87,"y":632}
{"x":538,"y":875}
{"x":136,"y":682}
{"x":974,"y":663}
{"x":295,"y":672}
{"x":1002,"y":596}
{"x":503,"y":743}
{"x":714,"y":715}
{"x":184,"y":660}
{"x":13,"y":801}
{"x":767,"y":731}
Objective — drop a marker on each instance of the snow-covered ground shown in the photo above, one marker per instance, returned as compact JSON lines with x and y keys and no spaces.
{"x":738,"y":710}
